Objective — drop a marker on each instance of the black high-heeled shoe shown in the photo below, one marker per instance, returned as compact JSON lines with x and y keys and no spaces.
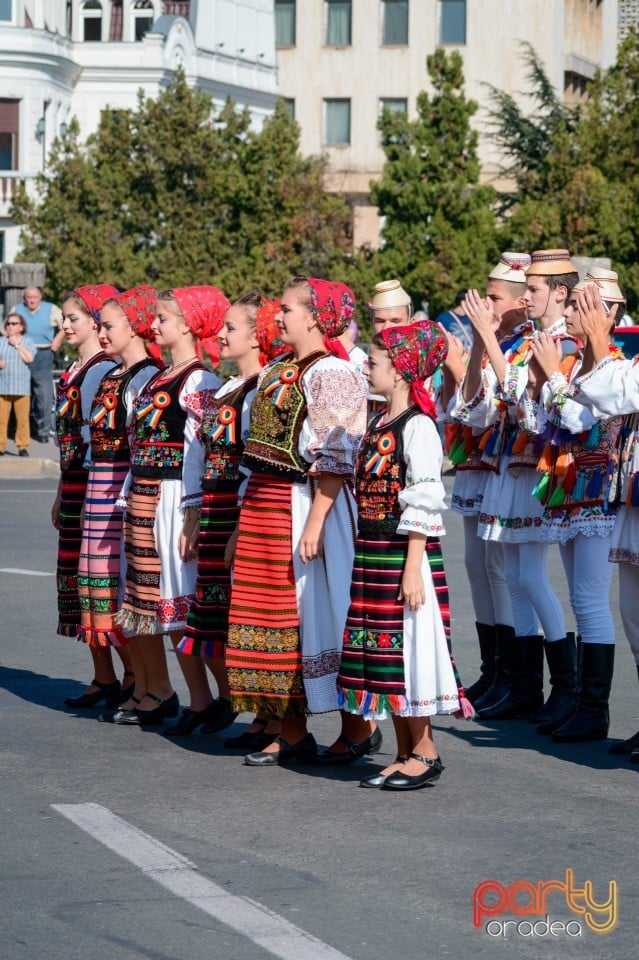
{"x":107,"y":692}
{"x":401,"y":781}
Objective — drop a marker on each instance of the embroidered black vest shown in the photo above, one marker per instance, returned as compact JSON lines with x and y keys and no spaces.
{"x":159,"y":427}
{"x":68,"y":416}
{"x":222,"y":435}
{"x":277,"y":416}
{"x":381,"y":475}
{"x":109,"y":440}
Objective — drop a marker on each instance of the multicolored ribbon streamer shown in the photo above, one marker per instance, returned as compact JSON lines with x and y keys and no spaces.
{"x":106,"y":410}
{"x":379,"y":461}
{"x":154,"y":409}
{"x":226,"y":420}
{"x":70,"y":404}
{"x":288,"y":376}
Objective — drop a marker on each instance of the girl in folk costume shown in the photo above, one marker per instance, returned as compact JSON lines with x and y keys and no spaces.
{"x":162,"y":497}
{"x":77,"y":386}
{"x":395,"y":658}
{"x":475,"y":454}
{"x":295,"y":538}
{"x":249,"y":325}
{"x":612,"y":389}
{"x":573,"y":488}
{"x":505,"y":400}
{"x":125,"y":324}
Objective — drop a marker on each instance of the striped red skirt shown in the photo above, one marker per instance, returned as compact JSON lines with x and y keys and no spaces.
{"x":208,"y":620}
{"x":72,"y":491}
{"x":138,"y":615}
{"x":263,"y":655}
{"x":100,"y":554}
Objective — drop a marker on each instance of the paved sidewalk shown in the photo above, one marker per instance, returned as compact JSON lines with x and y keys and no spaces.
{"x":42,"y":461}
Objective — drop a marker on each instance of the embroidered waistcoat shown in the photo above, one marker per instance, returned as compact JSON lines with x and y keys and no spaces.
{"x":381,"y":475}
{"x":109,"y":440}
{"x":222,"y":435}
{"x":159,"y":427}
{"x":68,"y":416}
{"x":277,"y":416}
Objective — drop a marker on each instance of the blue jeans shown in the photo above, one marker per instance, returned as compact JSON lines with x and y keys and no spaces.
{"x":42,"y":392}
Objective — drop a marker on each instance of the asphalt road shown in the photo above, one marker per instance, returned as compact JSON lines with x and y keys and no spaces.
{"x":298,"y":862}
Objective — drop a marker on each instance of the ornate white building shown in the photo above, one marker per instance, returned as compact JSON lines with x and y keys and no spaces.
{"x":60,"y":58}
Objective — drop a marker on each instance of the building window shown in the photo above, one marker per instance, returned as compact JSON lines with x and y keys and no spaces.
{"x":338,"y":23}
{"x":143,"y":17}
{"x":453,"y":21}
{"x":289,"y":103}
{"x":9,"y":129}
{"x":6,"y":13}
{"x":395,"y":23}
{"x":92,"y":21}
{"x":337,"y":125}
{"x":396,"y":104}
{"x":284,"y":23}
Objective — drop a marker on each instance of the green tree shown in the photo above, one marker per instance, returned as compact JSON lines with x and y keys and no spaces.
{"x":172,"y":193}
{"x":576,"y":174}
{"x":439,"y":229}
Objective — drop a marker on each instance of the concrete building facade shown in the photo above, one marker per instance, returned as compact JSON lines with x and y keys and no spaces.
{"x":64,"y":58}
{"x":341,"y":60}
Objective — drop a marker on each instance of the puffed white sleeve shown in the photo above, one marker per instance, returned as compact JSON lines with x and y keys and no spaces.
{"x":336,"y":417}
{"x":483,"y":408}
{"x":194,"y":395}
{"x":423,"y":497}
{"x":612,"y":388}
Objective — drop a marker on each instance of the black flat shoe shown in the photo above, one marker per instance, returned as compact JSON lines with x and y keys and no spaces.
{"x":107,"y":692}
{"x":165,"y":709}
{"x":401,"y":781}
{"x":379,"y":779}
{"x":371,"y":745}
{"x":304,"y":751}
{"x":221,"y":716}
{"x":190,"y":720}
{"x":256,"y":740}
{"x":120,"y":715}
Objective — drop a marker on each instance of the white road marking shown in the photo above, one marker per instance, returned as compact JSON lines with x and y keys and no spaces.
{"x":26,"y":573}
{"x":178,"y":875}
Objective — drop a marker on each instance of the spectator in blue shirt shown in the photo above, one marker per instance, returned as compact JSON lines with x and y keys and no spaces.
{"x":456,"y":322}
{"x":44,"y":322}
{"x":16,"y":353}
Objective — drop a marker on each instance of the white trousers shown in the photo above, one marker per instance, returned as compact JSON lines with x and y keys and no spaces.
{"x":527,"y":575}
{"x":629,"y":604}
{"x":588,"y":571}
{"x":484,"y":560}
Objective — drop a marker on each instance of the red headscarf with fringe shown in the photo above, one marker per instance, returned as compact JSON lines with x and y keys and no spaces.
{"x":203,"y":309}
{"x":268,"y":332}
{"x":334,"y":308}
{"x":93,"y":297}
{"x":416,"y":350}
{"x":139,"y":307}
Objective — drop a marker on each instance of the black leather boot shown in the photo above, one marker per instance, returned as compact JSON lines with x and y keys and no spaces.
{"x":626,"y":747}
{"x":525,"y":692}
{"x":591,"y":720}
{"x":487,"y":636}
{"x":504,"y":639}
{"x":560,"y":705}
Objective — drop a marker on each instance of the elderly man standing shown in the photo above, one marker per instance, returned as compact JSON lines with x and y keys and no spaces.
{"x":44,"y":321}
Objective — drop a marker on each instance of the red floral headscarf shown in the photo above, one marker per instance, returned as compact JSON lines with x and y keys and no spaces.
{"x":268,"y":332}
{"x":139,"y":307}
{"x":334,"y":308}
{"x":203,"y":309}
{"x":416,"y":350}
{"x":93,"y":297}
